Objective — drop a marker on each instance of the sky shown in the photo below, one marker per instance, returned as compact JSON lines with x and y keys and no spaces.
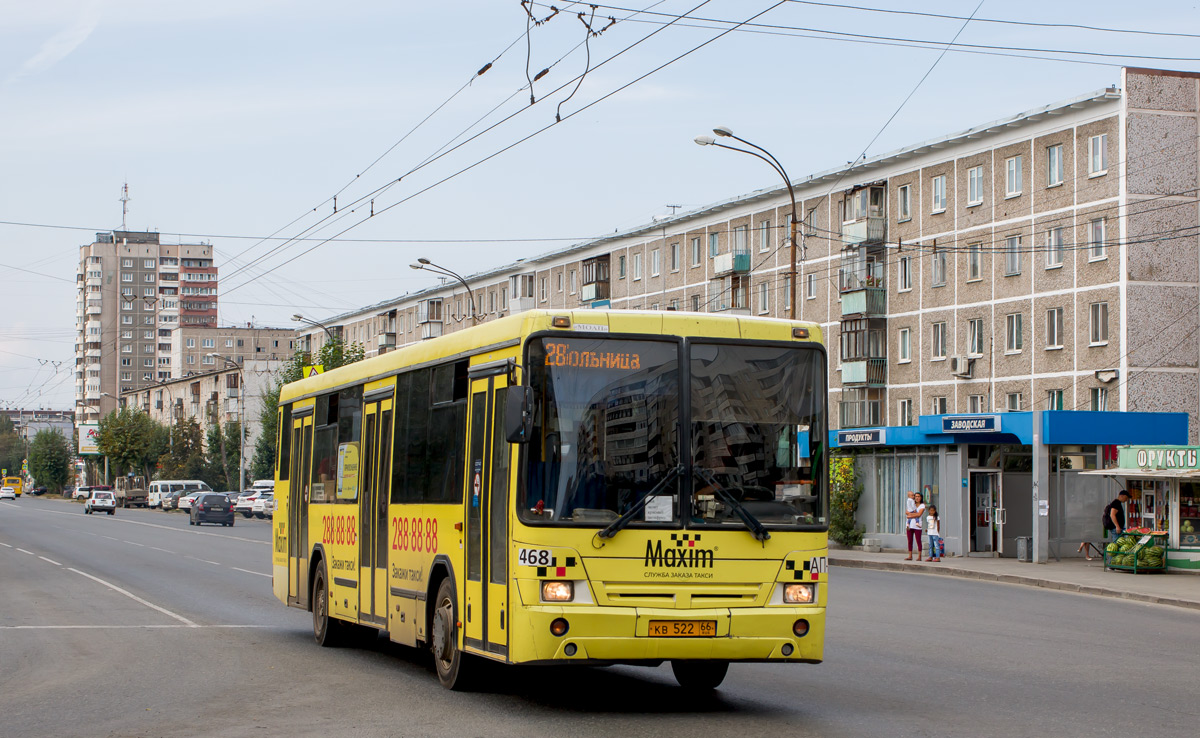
{"x":235,"y":121}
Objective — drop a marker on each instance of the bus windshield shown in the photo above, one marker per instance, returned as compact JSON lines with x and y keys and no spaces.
{"x":607,"y":416}
{"x":605,"y":429}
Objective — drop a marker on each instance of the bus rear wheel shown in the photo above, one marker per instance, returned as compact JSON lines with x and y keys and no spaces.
{"x":700,"y":675}
{"x":327,"y":631}
{"x":447,"y":658}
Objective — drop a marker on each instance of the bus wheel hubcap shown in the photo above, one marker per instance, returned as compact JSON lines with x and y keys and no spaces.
{"x":442,"y":638}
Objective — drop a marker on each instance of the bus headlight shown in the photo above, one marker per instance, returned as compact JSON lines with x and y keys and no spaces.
{"x":558,"y":591}
{"x":799,"y":594}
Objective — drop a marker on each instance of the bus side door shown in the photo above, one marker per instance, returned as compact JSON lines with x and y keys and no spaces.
{"x":373,"y":511}
{"x":302,"y":431}
{"x":486,"y":596}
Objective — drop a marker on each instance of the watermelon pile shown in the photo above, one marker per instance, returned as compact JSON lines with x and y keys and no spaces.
{"x":1126,"y":551}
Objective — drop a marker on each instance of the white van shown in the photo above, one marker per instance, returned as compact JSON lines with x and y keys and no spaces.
{"x":169,"y":490}
{"x":161,"y":489}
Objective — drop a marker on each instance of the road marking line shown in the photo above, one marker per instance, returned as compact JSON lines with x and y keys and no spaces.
{"x":122,"y":627}
{"x":154,"y":525}
{"x":259,"y":573}
{"x":52,"y":561}
{"x":135,"y":598}
{"x":5,"y":545}
{"x":31,"y":553}
{"x":156,"y":548}
{"x":193,"y":558}
{"x":111,"y":538}
{"x":135,"y":543}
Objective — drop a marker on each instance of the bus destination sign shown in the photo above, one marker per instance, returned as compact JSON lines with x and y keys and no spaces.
{"x":561,"y":354}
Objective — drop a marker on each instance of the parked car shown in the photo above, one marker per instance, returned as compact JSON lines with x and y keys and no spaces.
{"x":81,"y":493}
{"x":185,"y":502}
{"x":264,"y":506}
{"x":211,"y":507}
{"x":38,"y":491}
{"x":101,"y":500}
{"x":245,"y":503}
{"x":8,"y":493}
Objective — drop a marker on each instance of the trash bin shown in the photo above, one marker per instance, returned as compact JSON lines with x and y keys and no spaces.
{"x":1024,"y":548}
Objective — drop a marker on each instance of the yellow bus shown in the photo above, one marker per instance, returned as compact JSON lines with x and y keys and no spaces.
{"x":586,"y":487}
{"x":15,"y":483}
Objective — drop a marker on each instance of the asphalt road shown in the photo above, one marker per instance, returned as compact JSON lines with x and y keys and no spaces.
{"x":139,"y":625}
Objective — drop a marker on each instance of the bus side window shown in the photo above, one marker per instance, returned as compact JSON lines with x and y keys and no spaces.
{"x":283,"y":452}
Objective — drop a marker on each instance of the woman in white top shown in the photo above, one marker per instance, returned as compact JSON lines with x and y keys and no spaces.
{"x":914,"y":526}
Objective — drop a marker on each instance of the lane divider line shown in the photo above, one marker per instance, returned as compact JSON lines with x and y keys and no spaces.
{"x":135,"y":598}
{"x":206,"y":561}
{"x":5,"y":545}
{"x":52,"y":561}
{"x":156,"y":548}
{"x":31,"y":553}
{"x":259,"y":573}
{"x":135,"y":543}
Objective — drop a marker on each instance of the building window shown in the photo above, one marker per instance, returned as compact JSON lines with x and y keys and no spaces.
{"x":905,"y":273}
{"x":939,"y":193}
{"x":940,"y":406}
{"x":1014,"y":339}
{"x":974,"y":262}
{"x":810,"y":286}
{"x":655,"y":261}
{"x":574,"y":281}
{"x":1013,"y":402}
{"x":559,"y":281}
{"x":975,"y":336}
{"x":713,"y":244}
{"x":1054,"y":248}
{"x":126,"y":305}
{"x":674,"y":304}
{"x":126,"y":320}
{"x":1096,"y":246}
{"x":906,"y":412}
{"x":939,"y":341}
{"x":1099,"y":398}
{"x":127,"y":348}
{"x":637,"y":267}
{"x":739,"y":240}
{"x":127,"y":263}
{"x":1054,"y":327}
{"x":126,"y":362}
{"x":674,"y":257}
{"x":939,"y":268}
{"x":1012,"y":176}
{"x":1098,"y":333}
{"x":904,"y":339}
{"x":764,"y":235}
{"x":148,"y":278}
{"x":621,"y":267}
{"x":126,"y":277}
{"x":208,"y":343}
{"x":542,"y":290}
{"x":977,"y":403}
{"x":764,"y":297}
{"x":974,"y":186}
{"x":149,"y":264}
{"x":1098,"y":155}
{"x":1054,"y":165}
{"x":787,"y":293}
{"x":696,"y":251}
{"x":209,"y":360}
{"x":1054,"y":399}
{"x":126,"y":376}
{"x":1012,"y":256}
{"x":904,"y":196}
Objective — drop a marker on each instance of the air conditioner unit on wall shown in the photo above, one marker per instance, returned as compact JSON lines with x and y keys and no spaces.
{"x":962,"y":366}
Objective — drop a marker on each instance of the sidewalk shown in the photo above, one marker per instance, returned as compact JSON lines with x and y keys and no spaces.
{"x":1070,"y":575}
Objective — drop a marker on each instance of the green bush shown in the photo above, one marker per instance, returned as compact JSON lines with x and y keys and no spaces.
{"x":843,"y":501}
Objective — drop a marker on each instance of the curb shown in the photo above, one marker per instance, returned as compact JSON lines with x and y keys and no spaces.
{"x":949,"y":571}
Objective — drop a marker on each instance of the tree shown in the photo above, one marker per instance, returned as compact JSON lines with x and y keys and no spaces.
{"x":50,"y":459}
{"x":223,"y":460}
{"x":131,"y":441}
{"x":843,"y":501}
{"x":333,"y":354}
{"x":184,"y":458}
{"x":12,"y":448}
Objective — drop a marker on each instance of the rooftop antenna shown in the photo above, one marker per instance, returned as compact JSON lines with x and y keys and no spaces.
{"x":125,"y":198}
{"x":674,"y":208}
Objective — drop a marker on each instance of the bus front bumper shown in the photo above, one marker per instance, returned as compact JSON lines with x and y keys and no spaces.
{"x":622,"y":635}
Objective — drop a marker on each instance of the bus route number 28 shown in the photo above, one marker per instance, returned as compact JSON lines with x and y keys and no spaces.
{"x":415,"y":534}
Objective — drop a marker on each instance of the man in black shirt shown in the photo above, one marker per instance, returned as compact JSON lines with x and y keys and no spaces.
{"x":1114,"y":515}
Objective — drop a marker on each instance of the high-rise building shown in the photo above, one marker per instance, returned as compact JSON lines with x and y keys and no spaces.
{"x":132,"y":292}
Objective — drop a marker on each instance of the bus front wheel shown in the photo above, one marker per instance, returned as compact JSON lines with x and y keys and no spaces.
{"x":326,"y":630}
{"x":700,"y":675}
{"x":447,"y":658}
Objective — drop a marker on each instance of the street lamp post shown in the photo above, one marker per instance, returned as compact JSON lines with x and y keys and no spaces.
{"x":241,"y":416}
{"x":106,"y":394}
{"x":769,"y":158}
{"x":429,"y":266}
{"x":300,"y":318}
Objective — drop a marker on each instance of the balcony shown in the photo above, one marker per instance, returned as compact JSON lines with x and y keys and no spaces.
{"x":431,"y":330}
{"x":868,"y":230}
{"x":385,"y":341}
{"x":520,"y":287}
{"x":865,"y":301}
{"x":735,"y":262}
{"x":430,"y":311}
{"x":594,"y":291}
{"x":864,"y":373}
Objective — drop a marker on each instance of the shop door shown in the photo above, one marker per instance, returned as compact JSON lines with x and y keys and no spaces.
{"x":298,"y":511}
{"x":373,"y":505}
{"x":987,"y":513}
{"x":487,"y":518}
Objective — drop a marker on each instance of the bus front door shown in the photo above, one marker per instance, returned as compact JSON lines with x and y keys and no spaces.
{"x":485,"y":624}
{"x":373,"y":509}
{"x":302,"y":431}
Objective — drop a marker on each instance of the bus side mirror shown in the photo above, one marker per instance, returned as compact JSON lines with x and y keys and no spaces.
{"x":518,"y":414}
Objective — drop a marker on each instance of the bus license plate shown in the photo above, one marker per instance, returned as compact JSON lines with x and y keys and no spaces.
{"x":683,"y":628}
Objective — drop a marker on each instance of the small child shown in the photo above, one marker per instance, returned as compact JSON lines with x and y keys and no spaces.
{"x":936,"y":548}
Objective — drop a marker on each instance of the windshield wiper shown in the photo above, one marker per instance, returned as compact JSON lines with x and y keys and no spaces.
{"x":757,"y":529}
{"x":632,"y":512}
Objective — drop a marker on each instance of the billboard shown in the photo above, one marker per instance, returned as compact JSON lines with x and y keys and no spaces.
{"x":88,"y":433}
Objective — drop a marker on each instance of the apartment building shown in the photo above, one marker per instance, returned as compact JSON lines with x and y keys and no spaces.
{"x":133,"y":291}
{"x":973,"y":290}
{"x":199,"y":349}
